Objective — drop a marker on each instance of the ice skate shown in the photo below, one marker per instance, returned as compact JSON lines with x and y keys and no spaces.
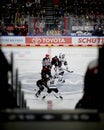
{"x":37,"y":94}
{"x":43,"y":97}
{"x":63,"y":81}
{"x":61,"y":97}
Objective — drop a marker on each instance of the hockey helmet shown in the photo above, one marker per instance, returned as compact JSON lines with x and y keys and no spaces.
{"x":47,"y":55}
{"x":63,"y":55}
{"x":56,"y":57}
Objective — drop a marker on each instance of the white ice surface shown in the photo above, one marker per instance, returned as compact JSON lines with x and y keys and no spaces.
{"x":28,"y":61}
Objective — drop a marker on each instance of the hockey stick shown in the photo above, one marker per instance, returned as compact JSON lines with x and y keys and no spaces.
{"x":57,"y":96}
{"x":54,"y":95}
{"x":47,"y":95}
{"x":70,"y":71}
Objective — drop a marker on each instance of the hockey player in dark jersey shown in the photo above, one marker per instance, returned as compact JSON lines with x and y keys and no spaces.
{"x":46,"y":81}
{"x":45,"y":77}
{"x":60,"y":65}
{"x":55,"y":62}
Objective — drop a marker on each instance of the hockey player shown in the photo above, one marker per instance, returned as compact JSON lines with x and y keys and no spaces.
{"x":46,"y":64}
{"x":42,"y":83}
{"x":63,"y":61}
{"x":63,"y":65}
{"x":55,"y":62}
{"x":46,"y":81}
{"x":46,"y":61}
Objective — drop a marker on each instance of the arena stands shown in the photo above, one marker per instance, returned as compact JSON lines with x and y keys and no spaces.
{"x":59,"y":15}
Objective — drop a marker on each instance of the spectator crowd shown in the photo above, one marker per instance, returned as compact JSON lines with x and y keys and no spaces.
{"x":14,"y":14}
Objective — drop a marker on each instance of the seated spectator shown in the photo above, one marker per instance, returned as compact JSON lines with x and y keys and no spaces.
{"x":93,"y":85}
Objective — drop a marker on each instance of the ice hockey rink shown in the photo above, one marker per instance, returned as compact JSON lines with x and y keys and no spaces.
{"x":28,"y":62}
